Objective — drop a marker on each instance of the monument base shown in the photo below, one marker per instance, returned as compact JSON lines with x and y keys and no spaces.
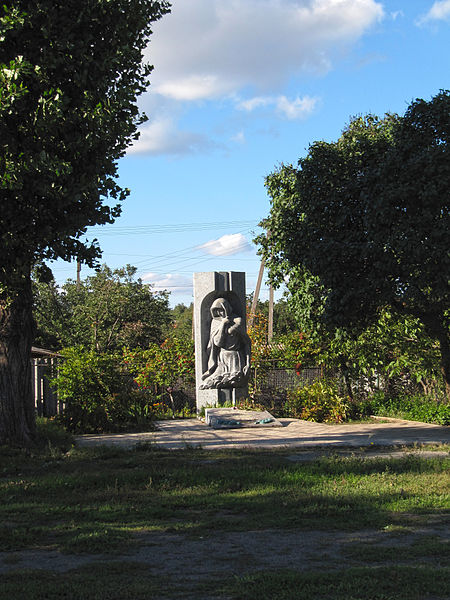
{"x":229,"y":418}
{"x":217,"y":398}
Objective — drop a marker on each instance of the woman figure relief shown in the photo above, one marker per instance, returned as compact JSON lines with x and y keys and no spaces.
{"x":228,"y":348}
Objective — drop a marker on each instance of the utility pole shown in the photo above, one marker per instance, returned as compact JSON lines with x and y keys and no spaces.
{"x":78,"y":273}
{"x":256,"y":297}
{"x":256,"y":294}
{"x":270,"y":324}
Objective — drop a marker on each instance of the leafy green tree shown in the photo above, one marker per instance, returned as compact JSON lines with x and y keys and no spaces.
{"x":363,"y":223}
{"x":182,"y":320}
{"x":105,"y":312}
{"x":284,"y":321}
{"x":50,"y":313}
{"x":395,"y":347}
{"x":70,"y":74}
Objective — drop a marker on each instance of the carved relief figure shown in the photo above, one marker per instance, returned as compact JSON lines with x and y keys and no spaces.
{"x":228,"y":349}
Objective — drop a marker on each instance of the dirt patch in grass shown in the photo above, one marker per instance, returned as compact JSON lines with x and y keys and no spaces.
{"x":179,"y":555}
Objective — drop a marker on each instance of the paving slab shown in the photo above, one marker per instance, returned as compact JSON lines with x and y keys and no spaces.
{"x":233,"y":418}
{"x":294,"y":433}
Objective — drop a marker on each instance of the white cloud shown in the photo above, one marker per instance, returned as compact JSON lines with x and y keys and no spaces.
{"x":396,"y":14}
{"x":254,"y":103}
{"x":227,"y":244}
{"x":172,"y":282}
{"x":194,"y":87}
{"x":209,"y":49}
{"x":298,"y":108}
{"x":239,"y":138}
{"x":162,"y":137}
{"x":440,"y":10}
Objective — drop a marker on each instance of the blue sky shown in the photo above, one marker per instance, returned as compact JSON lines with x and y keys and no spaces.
{"x":238,"y":87}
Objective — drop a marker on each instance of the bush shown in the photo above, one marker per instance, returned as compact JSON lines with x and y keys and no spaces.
{"x":414,"y":408}
{"x":98,"y":395}
{"x":319,"y":402}
{"x":165,"y":370}
{"x":162,"y":366}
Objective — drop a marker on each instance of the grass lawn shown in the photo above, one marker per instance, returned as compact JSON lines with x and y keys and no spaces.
{"x":117,"y":524}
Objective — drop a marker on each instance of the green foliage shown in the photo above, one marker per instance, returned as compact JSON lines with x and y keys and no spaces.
{"x":414,"y":408}
{"x":182,"y":321}
{"x":126,"y":391}
{"x":296,"y":350}
{"x":106,"y":311}
{"x":163,"y":366}
{"x":319,"y":401}
{"x":283,"y":320}
{"x":258,"y":337}
{"x":362,"y":225}
{"x":394,"y":348}
{"x":52,"y":436}
{"x":98,"y":394}
{"x":69,"y":81}
{"x":396,"y":344}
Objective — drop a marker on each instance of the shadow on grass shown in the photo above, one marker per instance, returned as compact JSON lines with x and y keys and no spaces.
{"x":135,"y":581}
{"x":365,"y":583}
{"x":108,"y":581}
{"x":96,"y":501}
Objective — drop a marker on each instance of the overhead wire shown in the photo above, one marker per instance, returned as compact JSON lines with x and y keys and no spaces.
{"x":169,"y":261}
{"x":170,"y":228}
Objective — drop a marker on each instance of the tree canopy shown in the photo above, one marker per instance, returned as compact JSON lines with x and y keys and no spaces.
{"x":362,"y":223}
{"x":70,"y":74}
{"x":104,"y":312}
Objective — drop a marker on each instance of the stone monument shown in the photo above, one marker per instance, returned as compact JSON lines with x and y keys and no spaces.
{"x":222,"y":346}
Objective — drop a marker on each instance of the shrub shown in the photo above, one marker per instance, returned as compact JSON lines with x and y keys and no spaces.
{"x":98,"y":394}
{"x":164,"y":371}
{"x":319,"y":401}
{"x":415,"y":408}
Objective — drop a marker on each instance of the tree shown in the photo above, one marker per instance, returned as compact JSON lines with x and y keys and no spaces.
{"x":105,"y":312}
{"x":50,"y":312}
{"x":182,"y":320}
{"x":70,"y":73}
{"x":363,"y":223}
{"x":283,"y":320}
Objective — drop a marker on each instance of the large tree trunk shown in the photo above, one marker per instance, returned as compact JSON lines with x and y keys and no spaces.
{"x":17,"y":415}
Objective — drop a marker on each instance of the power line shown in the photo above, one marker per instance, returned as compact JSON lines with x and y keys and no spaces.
{"x":170,"y":228}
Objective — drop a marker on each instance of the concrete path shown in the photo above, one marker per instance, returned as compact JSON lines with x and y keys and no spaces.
{"x":182,"y":433}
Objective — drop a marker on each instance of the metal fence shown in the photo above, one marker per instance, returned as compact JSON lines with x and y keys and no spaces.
{"x":284,"y":379}
{"x":268,"y":386}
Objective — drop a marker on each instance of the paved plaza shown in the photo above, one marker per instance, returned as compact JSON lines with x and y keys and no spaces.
{"x":294,"y":433}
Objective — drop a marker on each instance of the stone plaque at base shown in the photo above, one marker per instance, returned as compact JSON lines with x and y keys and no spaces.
{"x":229,"y":418}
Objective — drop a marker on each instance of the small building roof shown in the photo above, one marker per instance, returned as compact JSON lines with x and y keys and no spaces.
{"x":43,"y":353}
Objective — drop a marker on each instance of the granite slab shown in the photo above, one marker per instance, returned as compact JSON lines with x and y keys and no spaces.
{"x":231,"y":418}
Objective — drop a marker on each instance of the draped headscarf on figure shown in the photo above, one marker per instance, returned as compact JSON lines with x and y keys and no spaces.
{"x":228,"y":348}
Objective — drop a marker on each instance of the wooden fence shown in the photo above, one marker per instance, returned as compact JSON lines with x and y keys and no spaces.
{"x":45,"y":398}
